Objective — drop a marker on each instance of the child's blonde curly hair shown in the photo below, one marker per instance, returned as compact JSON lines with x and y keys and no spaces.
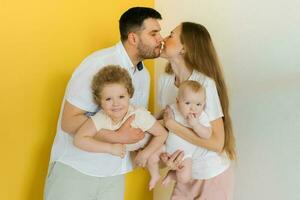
{"x":110,"y":74}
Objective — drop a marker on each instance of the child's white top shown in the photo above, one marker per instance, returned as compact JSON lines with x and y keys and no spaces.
{"x":143,"y":120}
{"x":105,"y":164}
{"x":175,"y":142}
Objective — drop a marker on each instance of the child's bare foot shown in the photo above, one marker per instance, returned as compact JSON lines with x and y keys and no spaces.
{"x":153,"y":181}
{"x":169,"y":177}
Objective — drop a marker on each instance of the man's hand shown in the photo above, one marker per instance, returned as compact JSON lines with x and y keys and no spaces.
{"x":128,"y":134}
{"x":118,"y":150}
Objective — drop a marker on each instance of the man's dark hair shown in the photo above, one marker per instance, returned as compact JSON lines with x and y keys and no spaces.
{"x":133,"y":19}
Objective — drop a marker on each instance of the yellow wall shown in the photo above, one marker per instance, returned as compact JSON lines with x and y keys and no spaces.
{"x":41,"y":44}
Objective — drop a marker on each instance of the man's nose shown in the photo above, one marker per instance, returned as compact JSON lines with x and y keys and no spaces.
{"x":160,"y":39}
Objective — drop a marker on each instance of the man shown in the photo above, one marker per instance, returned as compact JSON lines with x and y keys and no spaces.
{"x":76,"y":174}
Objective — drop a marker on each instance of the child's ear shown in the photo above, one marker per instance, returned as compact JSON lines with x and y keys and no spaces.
{"x":97,"y":100}
{"x":204,"y":105}
{"x":177,"y":100}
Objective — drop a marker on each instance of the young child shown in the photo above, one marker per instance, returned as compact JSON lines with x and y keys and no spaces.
{"x":112,"y":89}
{"x":188,"y":111}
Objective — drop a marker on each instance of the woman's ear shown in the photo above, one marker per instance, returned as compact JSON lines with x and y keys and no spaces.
{"x":182,"y":51}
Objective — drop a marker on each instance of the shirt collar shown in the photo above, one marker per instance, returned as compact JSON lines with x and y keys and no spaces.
{"x":124,"y":55}
{"x":197,"y":76}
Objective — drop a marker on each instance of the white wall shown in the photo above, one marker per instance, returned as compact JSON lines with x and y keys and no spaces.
{"x":258,"y":43}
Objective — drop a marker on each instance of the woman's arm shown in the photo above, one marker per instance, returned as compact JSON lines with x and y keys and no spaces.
{"x":201,"y":130}
{"x":214,"y":143}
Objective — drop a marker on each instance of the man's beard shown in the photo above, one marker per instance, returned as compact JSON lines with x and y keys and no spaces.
{"x":145,"y":52}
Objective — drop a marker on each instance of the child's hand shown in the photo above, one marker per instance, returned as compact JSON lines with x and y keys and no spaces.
{"x":118,"y":150}
{"x":142,"y":158}
{"x":192,"y":120}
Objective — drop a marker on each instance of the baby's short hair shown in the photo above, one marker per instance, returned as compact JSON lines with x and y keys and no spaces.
{"x":111,"y":74}
{"x":194,"y":86}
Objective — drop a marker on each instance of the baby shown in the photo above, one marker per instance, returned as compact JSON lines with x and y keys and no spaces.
{"x":188,"y":111}
{"x":112,"y":89}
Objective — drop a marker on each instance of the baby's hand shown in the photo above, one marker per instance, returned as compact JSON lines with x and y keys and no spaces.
{"x":118,"y":150}
{"x":141,"y":158}
{"x":192,"y":120}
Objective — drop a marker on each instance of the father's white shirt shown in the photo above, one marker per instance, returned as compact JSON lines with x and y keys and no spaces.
{"x":79,"y":94}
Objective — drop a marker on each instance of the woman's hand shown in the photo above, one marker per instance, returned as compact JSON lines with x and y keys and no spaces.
{"x":168,"y":116}
{"x":173,"y":162}
{"x":159,"y":115}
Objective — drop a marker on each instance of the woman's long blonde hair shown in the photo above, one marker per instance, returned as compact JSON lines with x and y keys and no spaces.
{"x":201,"y":55}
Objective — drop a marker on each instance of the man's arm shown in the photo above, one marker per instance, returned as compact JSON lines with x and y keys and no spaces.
{"x":160,"y":135}
{"x":73,"y":118}
{"x":84,"y":139}
{"x":124,"y":135}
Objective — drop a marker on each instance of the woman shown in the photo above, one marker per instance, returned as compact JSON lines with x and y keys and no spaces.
{"x":192,"y":56}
